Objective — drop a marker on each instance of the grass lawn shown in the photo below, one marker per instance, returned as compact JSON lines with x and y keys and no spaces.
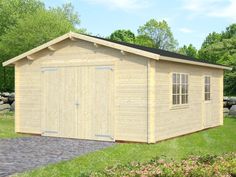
{"x":213,"y":141}
{"x":7,"y":126}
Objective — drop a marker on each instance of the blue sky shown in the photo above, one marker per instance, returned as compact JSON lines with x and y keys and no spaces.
{"x":190,"y":20}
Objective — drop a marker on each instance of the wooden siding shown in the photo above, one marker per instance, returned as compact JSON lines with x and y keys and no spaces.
{"x":130,"y":86}
{"x":174,"y":121}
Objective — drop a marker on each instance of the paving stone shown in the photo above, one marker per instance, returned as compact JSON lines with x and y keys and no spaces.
{"x":23,"y":154}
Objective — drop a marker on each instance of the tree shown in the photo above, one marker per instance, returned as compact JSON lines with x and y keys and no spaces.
{"x":123,"y":36}
{"x":189,"y":50}
{"x":211,"y":39}
{"x":30,"y":30}
{"x":221,"y":48}
{"x":160,"y":33}
{"x":144,"y":40}
{"x":13,"y":10}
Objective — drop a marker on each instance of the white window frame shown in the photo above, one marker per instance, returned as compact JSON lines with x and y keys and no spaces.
{"x":204,"y":88}
{"x":180,"y":105}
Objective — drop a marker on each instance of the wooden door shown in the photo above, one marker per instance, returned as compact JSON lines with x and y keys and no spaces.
{"x":102,"y":97}
{"x":50,"y":101}
{"x":78,"y":102}
{"x":69,"y":102}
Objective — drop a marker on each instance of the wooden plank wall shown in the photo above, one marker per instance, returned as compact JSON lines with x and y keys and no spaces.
{"x":170,"y":121}
{"x":130,"y":85}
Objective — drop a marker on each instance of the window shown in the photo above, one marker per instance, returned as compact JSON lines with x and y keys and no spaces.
{"x":207,"y":88}
{"x":179,"y":89}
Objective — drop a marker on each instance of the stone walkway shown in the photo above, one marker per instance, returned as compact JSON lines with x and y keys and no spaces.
{"x":22,"y":154}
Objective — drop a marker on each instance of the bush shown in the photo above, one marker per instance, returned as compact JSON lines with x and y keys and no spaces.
{"x":207,"y":166}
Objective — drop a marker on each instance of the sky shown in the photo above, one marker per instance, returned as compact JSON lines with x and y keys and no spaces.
{"x":190,"y":20}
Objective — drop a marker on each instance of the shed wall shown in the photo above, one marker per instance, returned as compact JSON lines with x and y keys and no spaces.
{"x":130,"y":86}
{"x":174,"y":121}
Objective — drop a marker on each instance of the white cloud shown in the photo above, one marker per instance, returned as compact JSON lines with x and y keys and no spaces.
{"x":185,"y":30}
{"x":214,"y":8}
{"x":122,"y":4}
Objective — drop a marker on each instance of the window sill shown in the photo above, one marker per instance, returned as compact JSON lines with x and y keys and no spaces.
{"x":184,"y":106}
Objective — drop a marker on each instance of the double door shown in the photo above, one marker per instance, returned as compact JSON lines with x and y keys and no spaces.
{"x":78,"y":102}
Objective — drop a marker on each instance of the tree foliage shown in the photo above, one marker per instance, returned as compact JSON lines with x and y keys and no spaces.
{"x":29,"y":24}
{"x":160,"y":33}
{"x":189,"y":50}
{"x":221,"y":48}
{"x":123,"y":36}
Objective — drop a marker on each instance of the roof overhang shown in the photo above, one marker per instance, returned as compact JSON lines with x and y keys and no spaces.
{"x":194,"y":63}
{"x":96,"y":41}
{"x":76,"y":36}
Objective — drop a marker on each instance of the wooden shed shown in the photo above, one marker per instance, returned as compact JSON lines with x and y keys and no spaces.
{"x":85,"y":87}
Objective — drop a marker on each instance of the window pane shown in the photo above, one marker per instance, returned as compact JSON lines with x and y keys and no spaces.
{"x":178,"y":99}
{"x":178,"y":78}
{"x":178,"y":89}
{"x":174,"y":78}
{"x":174,"y":89}
{"x":182,"y":78}
{"x":184,"y":89}
{"x":174,"y":99}
{"x":183,"y":99}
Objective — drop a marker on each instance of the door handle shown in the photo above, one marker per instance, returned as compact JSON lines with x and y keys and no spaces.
{"x":77,"y":103}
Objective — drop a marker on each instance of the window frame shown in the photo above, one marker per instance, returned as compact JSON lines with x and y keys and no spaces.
{"x":204,"y":88}
{"x":180,"y":105}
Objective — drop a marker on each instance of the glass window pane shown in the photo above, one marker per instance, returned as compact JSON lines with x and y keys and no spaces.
{"x":178,"y":99}
{"x":178,"y":89}
{"x":173,"y":88}
{"x":174,"y":99}
{"x":178,"y":78}
{"x":174,"y":78}
{"x":183,"y":99}
{"x":182,"y":78}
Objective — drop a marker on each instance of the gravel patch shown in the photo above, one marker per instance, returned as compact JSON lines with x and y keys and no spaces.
{"x":22,"y":154}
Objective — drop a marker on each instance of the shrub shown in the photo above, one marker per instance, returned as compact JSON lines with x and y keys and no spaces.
{"x":193,"y":166}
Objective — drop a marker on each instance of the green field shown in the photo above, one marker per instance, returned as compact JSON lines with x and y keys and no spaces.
{"x":213,"y":141}
{"x":7,"y":126}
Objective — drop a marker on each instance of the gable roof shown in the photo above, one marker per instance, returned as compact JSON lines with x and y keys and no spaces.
{"x":148,"y":52}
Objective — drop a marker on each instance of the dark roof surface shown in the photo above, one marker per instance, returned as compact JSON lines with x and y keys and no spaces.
{"x":159,"y":51}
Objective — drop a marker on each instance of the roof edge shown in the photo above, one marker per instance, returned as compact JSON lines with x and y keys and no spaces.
{"x":121,"y":47}
{"x":85,"y":38}
{"x":179,"y":60}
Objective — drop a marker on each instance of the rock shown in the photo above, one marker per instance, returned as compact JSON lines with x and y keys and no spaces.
{"x":226,"y":98}
{"x":11,"y":99}
{"x":5,"y":94}
{"x":1,"y":102}
{"x":232,"y":110}
{"x":4,"y":107}
{"x":226,"y":111}
{"x":13,"y":106}
{"x":225,"y":104}
{"x":4,"y":99}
